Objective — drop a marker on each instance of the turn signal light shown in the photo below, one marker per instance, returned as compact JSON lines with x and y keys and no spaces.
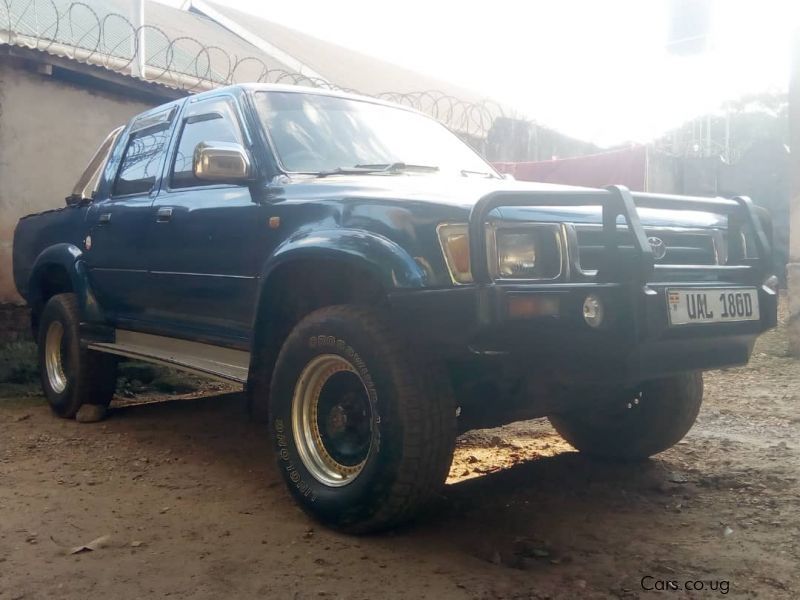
{"x":455,"y":243}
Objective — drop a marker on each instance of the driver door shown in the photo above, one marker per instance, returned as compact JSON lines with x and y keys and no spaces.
{"x":206,"y":238}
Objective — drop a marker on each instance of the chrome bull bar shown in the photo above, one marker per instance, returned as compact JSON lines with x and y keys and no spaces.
{"x":616,"y":201}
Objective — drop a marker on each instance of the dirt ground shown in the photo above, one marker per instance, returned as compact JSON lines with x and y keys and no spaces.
{"x":183,"y":494}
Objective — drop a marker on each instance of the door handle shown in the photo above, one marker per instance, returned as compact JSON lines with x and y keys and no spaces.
{"x":104,"y":219}
{"x":164,"y":214}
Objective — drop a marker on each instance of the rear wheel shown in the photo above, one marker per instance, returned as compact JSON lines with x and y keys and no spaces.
{"x":71,"y":375}
{"x":637,"y":424}
{"x":363,"y":428}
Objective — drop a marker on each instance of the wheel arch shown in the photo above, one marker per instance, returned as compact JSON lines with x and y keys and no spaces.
{"x":59,"y":269}
{"x":316,"y":270}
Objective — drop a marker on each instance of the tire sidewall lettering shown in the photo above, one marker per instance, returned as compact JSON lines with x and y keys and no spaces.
{"x":322,"y":344}
{"x":346,"y":350}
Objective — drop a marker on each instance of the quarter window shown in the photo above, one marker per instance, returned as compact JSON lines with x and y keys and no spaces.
{"x":212,"y":121}
{"x":141,"y":162}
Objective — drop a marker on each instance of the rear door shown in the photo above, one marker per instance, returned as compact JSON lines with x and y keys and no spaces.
{"x":206,"y":238}
{"x":119,"y":219}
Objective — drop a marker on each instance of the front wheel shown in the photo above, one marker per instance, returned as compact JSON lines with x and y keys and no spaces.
{"x":636,"y":424}
{"x":363,"y":428}
{"x":71,"y":375}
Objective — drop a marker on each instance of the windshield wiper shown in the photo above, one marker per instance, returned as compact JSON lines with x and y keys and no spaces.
{"x":395,"y":167}
{"x":487,"y":174}
{"x":400,"y":166}
{"x":357,"y":170}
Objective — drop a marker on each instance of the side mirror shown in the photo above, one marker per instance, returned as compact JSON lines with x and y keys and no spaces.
{"x":508,"y":176}
{"x":221,"y":161}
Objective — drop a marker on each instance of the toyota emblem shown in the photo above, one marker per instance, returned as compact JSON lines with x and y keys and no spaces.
{"x":658,"y":246}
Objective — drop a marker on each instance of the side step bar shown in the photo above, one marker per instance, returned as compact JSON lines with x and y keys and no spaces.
{"x":225,"y":364}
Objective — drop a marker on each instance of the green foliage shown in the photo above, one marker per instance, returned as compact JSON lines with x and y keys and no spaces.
{"x":18,"y":363}
{"x":136,"y":377}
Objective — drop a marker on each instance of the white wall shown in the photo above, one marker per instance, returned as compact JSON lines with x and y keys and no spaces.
{"x":793,"y":268}
{"x":49,"y":130}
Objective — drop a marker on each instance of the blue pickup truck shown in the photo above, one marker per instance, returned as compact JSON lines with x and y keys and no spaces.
{"x":377,"y":287}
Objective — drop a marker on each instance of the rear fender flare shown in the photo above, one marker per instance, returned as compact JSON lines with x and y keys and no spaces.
{"x":69,"y":258}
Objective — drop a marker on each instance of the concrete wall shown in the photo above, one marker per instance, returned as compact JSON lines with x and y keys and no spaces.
{"x":49,"y":129}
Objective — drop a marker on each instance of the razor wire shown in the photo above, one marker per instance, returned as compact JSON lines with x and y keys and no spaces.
{"x":83,"y":31}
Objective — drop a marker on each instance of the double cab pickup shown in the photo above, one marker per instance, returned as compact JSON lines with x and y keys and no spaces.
{"x":378,"y":287}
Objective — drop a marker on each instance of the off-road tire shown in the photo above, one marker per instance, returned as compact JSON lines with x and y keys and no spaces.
{"x":90,"y":376}
{"x":413,"y":421}
{"x":656,"y":420}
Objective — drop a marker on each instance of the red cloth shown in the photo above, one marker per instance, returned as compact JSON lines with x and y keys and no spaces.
{"x":626,"y":167}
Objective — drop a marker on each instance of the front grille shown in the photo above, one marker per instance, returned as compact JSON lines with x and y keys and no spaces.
{"x":688,"y":247}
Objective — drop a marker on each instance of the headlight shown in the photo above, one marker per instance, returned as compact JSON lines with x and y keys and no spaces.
{"x":529,"y":251}
{"x":524,"y":252}
{"x":516,"y":254}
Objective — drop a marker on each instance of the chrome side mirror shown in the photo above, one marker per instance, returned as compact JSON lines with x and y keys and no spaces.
{"x":221,"y":161}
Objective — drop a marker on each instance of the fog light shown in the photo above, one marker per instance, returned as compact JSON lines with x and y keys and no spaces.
{"x":593,"y":311}
{"x":772,"y":283}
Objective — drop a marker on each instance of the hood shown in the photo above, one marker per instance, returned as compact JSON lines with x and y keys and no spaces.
{"x":464,"y":192}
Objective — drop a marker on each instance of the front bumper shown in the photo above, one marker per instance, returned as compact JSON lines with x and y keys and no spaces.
{"x":636,"y":341}
{"x":634,"y":344}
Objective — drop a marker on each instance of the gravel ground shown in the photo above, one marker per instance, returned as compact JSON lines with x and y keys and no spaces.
{"x":177,"y":496}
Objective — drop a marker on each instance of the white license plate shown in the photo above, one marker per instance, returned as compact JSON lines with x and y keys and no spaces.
{"x":712,"y":305}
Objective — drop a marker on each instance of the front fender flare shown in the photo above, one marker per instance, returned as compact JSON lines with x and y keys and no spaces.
{"x":380,"y":256}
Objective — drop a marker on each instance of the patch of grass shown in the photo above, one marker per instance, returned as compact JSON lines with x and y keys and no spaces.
{"x":139,"y":377}
{"x":174,"y":383}
{"x":135,"y":374}
{"x":18,"y":363}
{"x":15,"y":396}
{"x":19,"y":374}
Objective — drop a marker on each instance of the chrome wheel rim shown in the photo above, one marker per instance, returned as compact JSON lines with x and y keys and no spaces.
{"x":54,"y":357}
{"x":332,"y":420}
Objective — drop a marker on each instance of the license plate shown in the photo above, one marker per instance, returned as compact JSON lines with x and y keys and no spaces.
{"x":712,"y":305}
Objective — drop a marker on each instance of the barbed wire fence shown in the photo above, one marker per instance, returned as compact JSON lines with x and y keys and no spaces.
{"x":87,"y":34}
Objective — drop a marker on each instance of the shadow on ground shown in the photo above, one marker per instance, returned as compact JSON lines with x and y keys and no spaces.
{"x":532,"y":515}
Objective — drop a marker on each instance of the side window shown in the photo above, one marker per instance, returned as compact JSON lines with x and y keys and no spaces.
{"x":141,"y":162}
{"x":210,"y":121}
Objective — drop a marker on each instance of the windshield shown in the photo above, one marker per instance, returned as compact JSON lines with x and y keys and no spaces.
{"x":314,"y":133}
